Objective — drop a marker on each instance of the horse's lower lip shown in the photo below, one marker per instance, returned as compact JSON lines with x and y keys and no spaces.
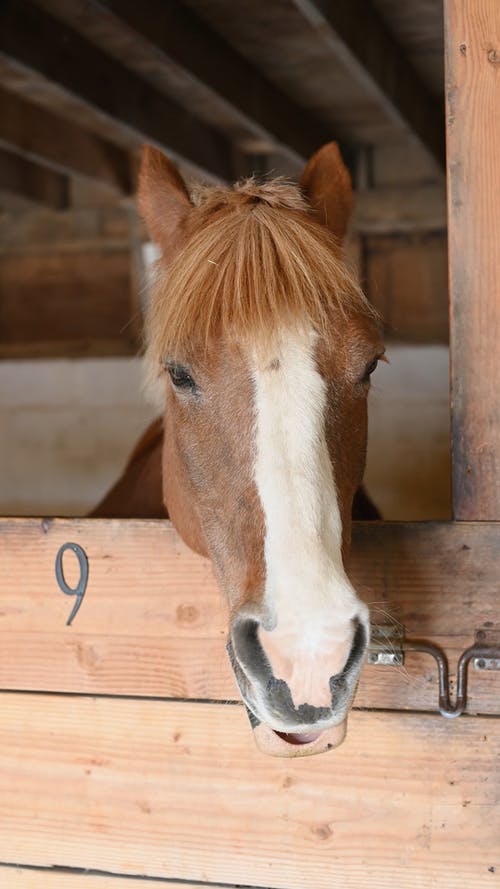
{"x":296,"y":738}
{"x":291,"y":744}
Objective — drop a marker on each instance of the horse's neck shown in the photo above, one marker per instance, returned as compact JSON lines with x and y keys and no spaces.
{"x":138,"y":492}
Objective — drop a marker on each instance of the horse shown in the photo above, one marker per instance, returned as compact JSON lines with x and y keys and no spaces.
{"x":264,"y":345}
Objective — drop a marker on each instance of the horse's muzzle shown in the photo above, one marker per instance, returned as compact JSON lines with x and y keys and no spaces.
{"x":280,"y":728}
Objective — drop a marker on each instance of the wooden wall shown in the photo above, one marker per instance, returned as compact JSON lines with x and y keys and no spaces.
{"x":125,"y":759}
{"x":406,"y":278}
{"x":70,"y":282}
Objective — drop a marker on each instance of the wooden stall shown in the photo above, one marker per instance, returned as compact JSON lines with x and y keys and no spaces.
{"x":126,"y":758}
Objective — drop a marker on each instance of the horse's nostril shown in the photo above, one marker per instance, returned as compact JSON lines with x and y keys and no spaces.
{"x":248,"y":649}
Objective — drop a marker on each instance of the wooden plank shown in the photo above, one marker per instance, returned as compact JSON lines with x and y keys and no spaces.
{"x":52,"y":54}
{"x":153,"y":623}
{"x":26,"y":179}
{"x":46,"y":138}
{"x":178,"y":790}
{"x":84,"y":228}
{"x":406,"y":278}
{"x":38,"y":878}
{"x":371,"y":55}
{"x":473,"y":95}
{"x":67,"y":302}
{"x":172,"y":45}
{"x":390,"y":209}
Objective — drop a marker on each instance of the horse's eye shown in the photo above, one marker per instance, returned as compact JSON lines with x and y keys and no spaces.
{"x":369,"y":370}
{"x":181,"y":378}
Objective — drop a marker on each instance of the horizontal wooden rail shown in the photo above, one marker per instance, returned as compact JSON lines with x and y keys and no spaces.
{"x":39,"y":878}
{"x":153,"y":623}
{"x":178,"y":790}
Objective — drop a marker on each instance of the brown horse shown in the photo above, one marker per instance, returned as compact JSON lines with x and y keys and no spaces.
{"x":266,"y":346}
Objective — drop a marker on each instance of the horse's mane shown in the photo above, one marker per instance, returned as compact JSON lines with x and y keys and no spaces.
{"x":254,"y":259}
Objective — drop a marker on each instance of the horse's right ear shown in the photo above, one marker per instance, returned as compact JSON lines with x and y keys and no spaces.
{"x":327,"y":184}
{"x":164,"y":202}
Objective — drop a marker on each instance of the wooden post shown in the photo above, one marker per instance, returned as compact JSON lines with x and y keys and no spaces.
{"x":473,"y":142}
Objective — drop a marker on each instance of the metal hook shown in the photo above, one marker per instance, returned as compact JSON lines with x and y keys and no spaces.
{"x":388,"y":647}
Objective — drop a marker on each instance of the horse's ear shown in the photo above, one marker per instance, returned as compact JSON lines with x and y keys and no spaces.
{"x":163,"y":199}
{"x":327,"y":184}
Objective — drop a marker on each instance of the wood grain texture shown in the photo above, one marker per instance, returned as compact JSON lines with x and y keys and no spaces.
{"x":68,"y":302}
{"x":473,"y":136}
{"x":388,"y":210}
{"x":178,"y":790}
{"x":153,"y":623}
{"x":29,"y":180}
{"x":38,"y":134}
{"x":36,"y":878}
{"x":406,"y":278}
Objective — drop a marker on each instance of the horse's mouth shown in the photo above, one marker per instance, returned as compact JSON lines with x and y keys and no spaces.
{"x":296,"y":738}
{"x":292,"y":744}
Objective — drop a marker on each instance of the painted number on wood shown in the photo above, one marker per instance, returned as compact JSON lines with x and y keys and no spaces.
{"x":79,"y":590}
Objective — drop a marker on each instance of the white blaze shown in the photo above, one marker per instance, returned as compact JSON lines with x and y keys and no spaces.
{"x":309,"y":601}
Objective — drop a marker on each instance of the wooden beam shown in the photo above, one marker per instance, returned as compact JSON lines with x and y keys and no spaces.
{"x":39,"y":135}
{"x":37,"y":44}
{"x":372,"y":56}
{"x":168,"y":35}
{"x":52,"y":878}
{"x":153,"y":622}
{"x":386,"y":210}
{"x":16,"y":877}
{"x":26,"y":179}
{"x":473,"y":96}
{"x":178,"y":791}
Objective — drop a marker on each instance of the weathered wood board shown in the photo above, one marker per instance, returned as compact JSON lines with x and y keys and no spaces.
{"x":173,"y":789}
{"x":68,"y":302}
{"x":473,"y":137}
{"x":406,"y":278}
{"x":38,"y":878}
{"x":153,"y":623}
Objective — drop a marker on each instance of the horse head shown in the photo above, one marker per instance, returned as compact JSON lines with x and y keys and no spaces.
{"x":266,"y":345}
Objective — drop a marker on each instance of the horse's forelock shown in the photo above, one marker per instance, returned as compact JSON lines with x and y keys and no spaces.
{"x":254,"y":260}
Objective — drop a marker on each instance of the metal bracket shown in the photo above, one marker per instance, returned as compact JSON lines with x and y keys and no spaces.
{"x":388,"y":647}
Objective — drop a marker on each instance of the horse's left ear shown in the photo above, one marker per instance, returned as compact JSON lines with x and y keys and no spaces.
{"x":327,"y":184}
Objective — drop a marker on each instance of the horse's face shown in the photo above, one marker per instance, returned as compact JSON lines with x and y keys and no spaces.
{"x":265,"y":440}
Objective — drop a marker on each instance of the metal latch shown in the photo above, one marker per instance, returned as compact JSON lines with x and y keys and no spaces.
{"x":388,"y":647}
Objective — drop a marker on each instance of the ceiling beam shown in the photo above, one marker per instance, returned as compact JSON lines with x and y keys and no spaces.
{"x":37,"y":44}
{"x":22,"y":177}
{"x":372,"y":55}
{"x":169,"y":39}
{"x":39,"y":135}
